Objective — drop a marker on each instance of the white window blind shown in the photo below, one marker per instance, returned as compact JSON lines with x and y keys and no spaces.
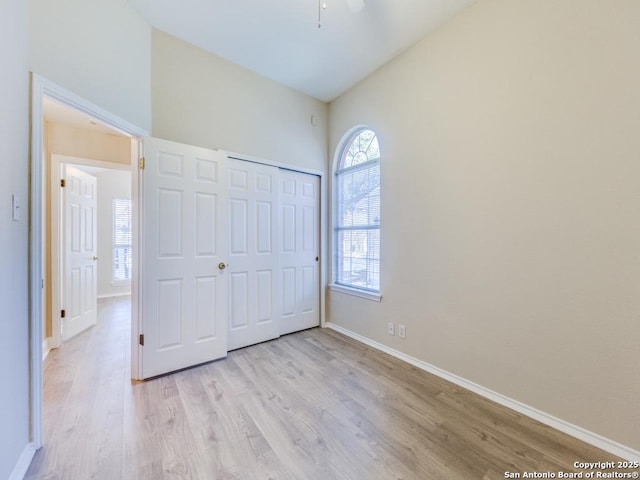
{"x":122,"y":239}
{"x":357,"y":229}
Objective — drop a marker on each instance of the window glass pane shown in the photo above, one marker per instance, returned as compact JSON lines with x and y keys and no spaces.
{"x":360,"y":197}
{"x":121,"y":221}
{"x":122,"y":263}
{"x":122,"y":251}
{"x":363,"y":148}
{"x":359,"y":258}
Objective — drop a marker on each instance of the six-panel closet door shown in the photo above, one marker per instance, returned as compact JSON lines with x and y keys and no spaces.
{"x":254,"y":262}
{"x":274,"y":280}
{"x":299,"y":251}
{"x":229,"y":255}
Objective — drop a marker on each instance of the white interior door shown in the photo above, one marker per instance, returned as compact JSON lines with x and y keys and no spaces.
{"x":184,"y":284}
{"x":79,"y":273}
{"x":254,"y":289}
{"x":299,"y":251}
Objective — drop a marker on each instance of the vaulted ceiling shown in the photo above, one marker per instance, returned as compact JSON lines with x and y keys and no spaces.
{"x":280,"y":39}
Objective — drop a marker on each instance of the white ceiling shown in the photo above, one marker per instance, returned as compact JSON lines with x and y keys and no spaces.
{"x":280,"y":39}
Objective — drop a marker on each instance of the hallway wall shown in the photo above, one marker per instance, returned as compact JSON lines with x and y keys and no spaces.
{"x":14,"y":237}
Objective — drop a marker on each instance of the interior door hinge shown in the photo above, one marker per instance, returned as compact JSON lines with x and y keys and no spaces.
{"x":63,"y":313}
{"x":141,"y":163}
{"x":142,"y":339}
{"x":63,"y":183}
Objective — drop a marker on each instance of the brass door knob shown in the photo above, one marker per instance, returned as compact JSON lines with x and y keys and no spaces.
{"x":222,"y":266}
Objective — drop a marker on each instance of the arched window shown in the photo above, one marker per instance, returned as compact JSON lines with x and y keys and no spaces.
{"x":357,"y":220}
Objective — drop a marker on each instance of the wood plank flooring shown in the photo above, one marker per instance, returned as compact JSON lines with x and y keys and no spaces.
{"x":312,"y":405}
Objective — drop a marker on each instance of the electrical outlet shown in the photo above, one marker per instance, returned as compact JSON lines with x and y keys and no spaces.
{"x":402,"y":331}
{"x":390,"y":328}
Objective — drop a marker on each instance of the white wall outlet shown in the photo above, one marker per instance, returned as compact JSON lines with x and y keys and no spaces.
{"x":390,"y":328}
{"x":402,"y":331}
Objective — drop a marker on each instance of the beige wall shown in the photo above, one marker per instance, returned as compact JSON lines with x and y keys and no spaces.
{"x":510,"y":145}
{"x":204,"y":100}
{"x":14,"y":236}
{"x":100,"y":50}
{"x":83,"y":143}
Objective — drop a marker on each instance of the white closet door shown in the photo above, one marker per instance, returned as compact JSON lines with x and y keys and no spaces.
{"x":184,"y":297}
{"x":254,"y":288}
{"x":299,"y":251}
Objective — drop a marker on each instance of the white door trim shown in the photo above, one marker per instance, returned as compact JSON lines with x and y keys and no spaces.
{"x":40,"y":88}
{"x":263,"y":161}
{"x":323,"y":216}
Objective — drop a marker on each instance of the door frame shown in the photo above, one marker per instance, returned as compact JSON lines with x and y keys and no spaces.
{"x":41,"y":88}
{"x":56,"y":232}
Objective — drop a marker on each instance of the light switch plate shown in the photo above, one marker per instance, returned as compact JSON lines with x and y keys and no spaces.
{"x":15,"y":207}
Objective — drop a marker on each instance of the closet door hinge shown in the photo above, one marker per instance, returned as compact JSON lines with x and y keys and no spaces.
{"x":141,"y":341}
{"x":141,"y":163}
{"x":63,"y":183}
{"x":63,"y":313}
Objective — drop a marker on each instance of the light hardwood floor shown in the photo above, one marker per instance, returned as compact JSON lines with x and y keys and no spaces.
{"x":312,"y":405}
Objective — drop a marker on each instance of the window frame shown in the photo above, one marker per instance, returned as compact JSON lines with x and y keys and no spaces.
{"x":338,"y":171}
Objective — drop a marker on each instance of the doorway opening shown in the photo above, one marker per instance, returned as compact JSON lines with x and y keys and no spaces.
{"x":87,"y":220}
{"x":70,"y":132}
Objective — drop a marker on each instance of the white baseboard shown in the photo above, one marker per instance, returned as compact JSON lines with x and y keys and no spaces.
{"x":575,"y":431}
{"x":20,"y":469}
{"x":46,"y":347}
{"x":111,"y":295}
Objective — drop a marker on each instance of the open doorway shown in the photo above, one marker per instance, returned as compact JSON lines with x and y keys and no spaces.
{"x":87,"y":220}
{"x":98,"y":122}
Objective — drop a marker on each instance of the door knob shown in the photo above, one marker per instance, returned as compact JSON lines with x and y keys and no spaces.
{"x":222,"y":266}
{"x":95,"y":258}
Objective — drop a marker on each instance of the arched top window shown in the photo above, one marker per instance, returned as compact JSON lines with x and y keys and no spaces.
{"x":361,"y":148}
{"x":357,"y":207}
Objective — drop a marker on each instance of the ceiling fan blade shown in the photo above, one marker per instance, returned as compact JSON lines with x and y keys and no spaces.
{"x":355,"y":5}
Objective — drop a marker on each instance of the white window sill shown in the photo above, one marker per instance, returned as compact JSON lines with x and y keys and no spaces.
{"x":121,"y":283}
{"x":375,"y":297}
